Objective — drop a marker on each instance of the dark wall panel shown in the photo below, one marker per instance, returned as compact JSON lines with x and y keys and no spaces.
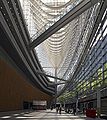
{"x":14,"y":89}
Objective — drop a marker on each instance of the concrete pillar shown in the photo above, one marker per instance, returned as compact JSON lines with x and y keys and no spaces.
{"x":98,"y":102}
{"x":77,"y":103}
{"x":77,"y":106}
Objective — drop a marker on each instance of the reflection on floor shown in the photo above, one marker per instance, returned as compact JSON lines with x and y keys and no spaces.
{"x":41,"y":115}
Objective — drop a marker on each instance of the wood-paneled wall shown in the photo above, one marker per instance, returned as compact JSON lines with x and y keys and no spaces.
{"x":14,"y":89}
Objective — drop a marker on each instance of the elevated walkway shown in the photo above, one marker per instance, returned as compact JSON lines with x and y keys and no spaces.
{"x":13,"y":46}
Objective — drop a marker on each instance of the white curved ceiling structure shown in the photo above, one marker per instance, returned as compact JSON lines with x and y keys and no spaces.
{"x":59,"y":50}
{"x":42,"y":13}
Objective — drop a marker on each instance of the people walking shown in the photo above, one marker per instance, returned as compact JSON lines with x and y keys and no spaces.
{"x":74,"y":111}
{"x":60,"y":109}
{"x":57,"y":108}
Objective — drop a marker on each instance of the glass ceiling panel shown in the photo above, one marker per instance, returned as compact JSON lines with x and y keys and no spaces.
{"x":52,"y":1}
{"x":58,"y":50}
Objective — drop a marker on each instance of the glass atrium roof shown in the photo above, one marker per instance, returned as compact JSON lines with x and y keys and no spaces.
{"x":52,"y":1}
{"x":60,"y":52}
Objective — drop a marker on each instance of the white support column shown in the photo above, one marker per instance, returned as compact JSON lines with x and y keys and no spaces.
{"x":55,"y":86}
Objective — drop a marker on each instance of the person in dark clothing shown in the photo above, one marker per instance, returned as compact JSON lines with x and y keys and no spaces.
{"x":74,"y":110}
{"x":57,"y":108}
{"x":83,"y":110}
{"x":60,"y":110}
{"x":51,"y":107}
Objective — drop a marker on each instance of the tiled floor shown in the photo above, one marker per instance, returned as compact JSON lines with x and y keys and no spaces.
{"x":42,"y":115}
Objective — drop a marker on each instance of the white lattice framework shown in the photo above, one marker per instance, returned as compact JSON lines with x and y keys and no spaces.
{"x":60,"y":51}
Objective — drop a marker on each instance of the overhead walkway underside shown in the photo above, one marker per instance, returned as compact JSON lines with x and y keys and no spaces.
{"x":71,"y":15}
{"x":13,"y":45}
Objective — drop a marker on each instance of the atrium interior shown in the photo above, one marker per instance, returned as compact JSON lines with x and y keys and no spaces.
{"x":53,"y":53}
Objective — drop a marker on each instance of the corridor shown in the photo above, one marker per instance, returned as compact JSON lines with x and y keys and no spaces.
{"x":41,"y":115}
{"x":53,"y":53}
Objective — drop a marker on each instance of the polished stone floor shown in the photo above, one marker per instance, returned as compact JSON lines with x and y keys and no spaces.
{"x":41,"y":115}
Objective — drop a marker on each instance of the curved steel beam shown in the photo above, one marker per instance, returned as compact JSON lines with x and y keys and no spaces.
{"x":71,"y":15}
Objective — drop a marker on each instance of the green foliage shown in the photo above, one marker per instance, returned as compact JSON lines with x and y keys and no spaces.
{"x":95,"y":81}
{"x":105,"y":66}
